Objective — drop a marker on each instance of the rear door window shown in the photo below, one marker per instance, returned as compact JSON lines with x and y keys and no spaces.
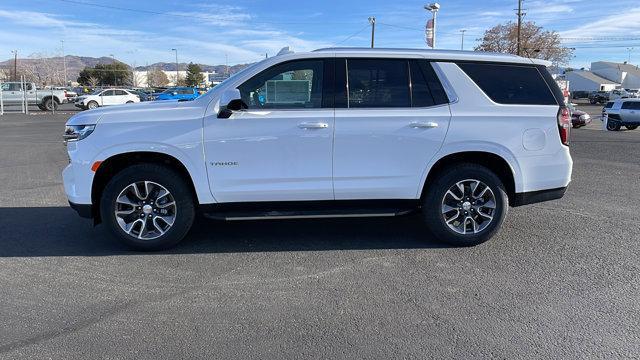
{"x":609,"y":105}
{"x":375,"y":83}
{"x":510,"y":84}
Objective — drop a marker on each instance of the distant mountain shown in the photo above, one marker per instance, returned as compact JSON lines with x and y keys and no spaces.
{"x":75,"y":64}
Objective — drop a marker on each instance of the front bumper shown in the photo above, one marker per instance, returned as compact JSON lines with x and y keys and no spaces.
{"x":84,"y":210}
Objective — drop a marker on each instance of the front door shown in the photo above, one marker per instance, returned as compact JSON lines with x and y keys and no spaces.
{"x":393,"y":121}
{"x":280,"y":148}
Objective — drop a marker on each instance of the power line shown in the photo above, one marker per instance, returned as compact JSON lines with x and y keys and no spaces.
{"x":352,"y":35}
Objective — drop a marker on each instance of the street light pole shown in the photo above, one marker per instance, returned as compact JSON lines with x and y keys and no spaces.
{"x":434,"y":8}
{"x":462,"y":39}
{"x":15,"y":65}
{"x":115,"y":75}
{"x":629,"y":49}
{"x":177,"y":72}
{"x":64,"y":63}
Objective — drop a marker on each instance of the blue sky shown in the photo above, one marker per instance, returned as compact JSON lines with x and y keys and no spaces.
{"x":244,"y":30}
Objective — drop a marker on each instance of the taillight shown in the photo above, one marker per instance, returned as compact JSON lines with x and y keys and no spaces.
{"x":564,"y":124}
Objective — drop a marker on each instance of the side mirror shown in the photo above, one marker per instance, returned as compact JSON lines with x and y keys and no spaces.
{"x":230,"y":101}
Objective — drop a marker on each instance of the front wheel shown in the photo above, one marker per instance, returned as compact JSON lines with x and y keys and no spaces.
{"x":465,"y":205}
{"x":632,"y":127}
{"x":92,"y":105}
{"x":148,"y":207}
{"x":613,"y":126}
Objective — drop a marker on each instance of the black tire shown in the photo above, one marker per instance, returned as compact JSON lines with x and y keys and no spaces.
{"x":164,"y":176}
{"x":632,"y":127}
{"x":41,"y":107}
{"x":592,"y":102}
{"x":129,"y":102}
{"x":92,"y":105}
{"x":433,"y":204}
{"x":613,"y":125}
{"x":49,"y":104}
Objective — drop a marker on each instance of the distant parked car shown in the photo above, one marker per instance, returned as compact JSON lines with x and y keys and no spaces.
{"x":579,"y":118}
{"x":179,"y":93}
{"x":13,"y":93}
{"x":106,"y":97}
{"x":579,"y":94}
{"x":142,"y":94}
{"x":618,"y":94}
{"x":598,"y":97}
{"x":633,"y":93}
{"x":622,"y":112}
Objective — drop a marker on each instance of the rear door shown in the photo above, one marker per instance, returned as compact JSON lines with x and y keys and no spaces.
{"x":630,"y":111}
{"x":391,"y":119}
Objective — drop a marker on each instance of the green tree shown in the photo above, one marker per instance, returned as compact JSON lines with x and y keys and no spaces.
{"x":116,"y":73}
{"x":194,"y":75}
{"x":535,"y":42}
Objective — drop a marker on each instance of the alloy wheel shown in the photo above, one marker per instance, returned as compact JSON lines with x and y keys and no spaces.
{"x":145,"y":210}
{"x":468,"y":206}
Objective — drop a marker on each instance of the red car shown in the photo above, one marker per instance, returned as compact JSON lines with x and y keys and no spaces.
{"x":579,"y":118}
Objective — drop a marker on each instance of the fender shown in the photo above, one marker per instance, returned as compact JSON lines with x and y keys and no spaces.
{"x":196,"y":170}
{"x":475,"y":146}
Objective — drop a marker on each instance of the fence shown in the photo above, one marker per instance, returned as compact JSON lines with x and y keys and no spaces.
{"x":21,"y":94}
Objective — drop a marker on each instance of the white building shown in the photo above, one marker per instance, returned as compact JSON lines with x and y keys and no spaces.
{"x":140,"y":77}
{"x":581,"y":80}
{"x":625,"y":74}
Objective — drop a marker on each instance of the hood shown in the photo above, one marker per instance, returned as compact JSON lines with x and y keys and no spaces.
{"x":143,"y":111}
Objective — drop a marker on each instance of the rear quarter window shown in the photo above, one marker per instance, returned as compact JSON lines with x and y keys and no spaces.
{"x":609,"y":105}
{"x":511,"y":84}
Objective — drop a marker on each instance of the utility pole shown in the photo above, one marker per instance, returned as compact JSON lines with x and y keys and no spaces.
{"x":15,"y":65}
{"x":64,"y":63}
{"x":226,"y":65}
{"x":177,"y":72}
{"x":629,"y":49}
{"x":519,"y":26}
{"x":372,"y":21}
{"x":462,"y":39}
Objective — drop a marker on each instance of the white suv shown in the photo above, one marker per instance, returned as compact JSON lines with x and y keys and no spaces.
{"x":457,"y":136}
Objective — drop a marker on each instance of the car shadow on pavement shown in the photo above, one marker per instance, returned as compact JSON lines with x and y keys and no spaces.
{"x":58,"y":231}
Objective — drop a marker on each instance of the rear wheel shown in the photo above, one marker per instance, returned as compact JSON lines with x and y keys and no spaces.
{"x":632,"y":127}
{"x":50,"y":104}
{"x":465,"y":205}
{"x":148,"y":207}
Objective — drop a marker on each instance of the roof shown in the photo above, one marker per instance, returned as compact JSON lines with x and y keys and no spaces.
{"x":624,"y":67}
{"x":590,"y":76}
{"x":438,"y":54}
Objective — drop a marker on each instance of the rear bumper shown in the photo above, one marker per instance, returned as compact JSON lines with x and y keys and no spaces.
{"x":533,"y":197}
{"x":84,"y":210}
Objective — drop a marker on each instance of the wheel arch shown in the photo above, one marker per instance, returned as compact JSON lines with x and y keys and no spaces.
{"x":116,"y":163}
{"x":494,"y":162}
{"x":47,"y":97}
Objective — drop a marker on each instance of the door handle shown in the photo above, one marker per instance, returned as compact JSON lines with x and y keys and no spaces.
{"x":424,"y":125}
{"x":313,"y":125}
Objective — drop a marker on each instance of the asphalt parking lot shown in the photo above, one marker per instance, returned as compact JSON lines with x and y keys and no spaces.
{"x":559,"y":281}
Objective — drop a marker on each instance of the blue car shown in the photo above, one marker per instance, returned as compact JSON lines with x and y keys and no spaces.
{"x":178,"y":93}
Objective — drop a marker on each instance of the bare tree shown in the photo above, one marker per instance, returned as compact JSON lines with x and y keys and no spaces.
{"x":156,"y":77}
{"x":535,"y":42}
{"x":93,"y":81}
{"x":42,"y":70}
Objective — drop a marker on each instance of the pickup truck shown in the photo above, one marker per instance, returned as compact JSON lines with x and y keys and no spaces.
{"x":14,"y":94}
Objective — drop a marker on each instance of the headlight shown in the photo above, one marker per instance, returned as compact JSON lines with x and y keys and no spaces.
{"x":77,"y":132}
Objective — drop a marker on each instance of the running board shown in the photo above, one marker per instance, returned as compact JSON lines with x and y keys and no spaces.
{"x":280,"y":211}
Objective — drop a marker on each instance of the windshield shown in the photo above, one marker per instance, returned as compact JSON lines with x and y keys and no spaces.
{"x":97,"y":92}
{"x":169,"y":91}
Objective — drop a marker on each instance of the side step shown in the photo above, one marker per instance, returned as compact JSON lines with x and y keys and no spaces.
{"x":307,"y":210}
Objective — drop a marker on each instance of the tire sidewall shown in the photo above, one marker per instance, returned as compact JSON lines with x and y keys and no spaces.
{"x":612,"y":126}
{"x":432,"y":204}
{"x":89,"y":105}
{"x":185,"y":209}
